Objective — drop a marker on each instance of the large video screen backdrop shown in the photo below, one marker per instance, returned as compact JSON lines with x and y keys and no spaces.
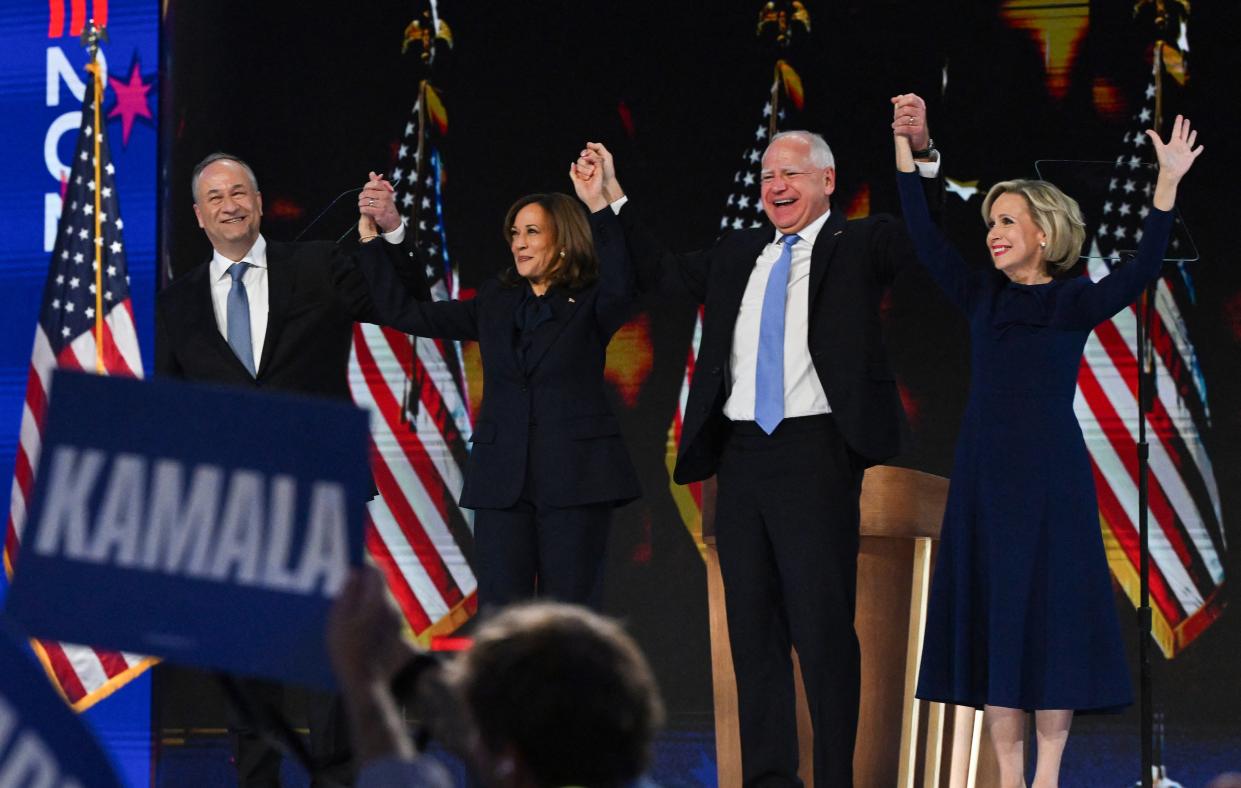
{"x":679,"y":92}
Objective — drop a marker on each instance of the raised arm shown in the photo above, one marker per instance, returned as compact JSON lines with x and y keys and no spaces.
{"x":654,"y":266}
{"x":1100,"y":300}
{"x":940,"y":258}
{"x":397,"y":306}
{"x":618,"y":290}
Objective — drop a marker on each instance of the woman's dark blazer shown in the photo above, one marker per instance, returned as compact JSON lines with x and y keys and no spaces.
{"x":556,"y":415}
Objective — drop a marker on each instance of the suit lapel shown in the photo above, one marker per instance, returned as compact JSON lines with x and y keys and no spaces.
{"x":200,"y":315}
{"x":564,"y":306}
{"x":824,"y":248}
{"x":279,"y":290}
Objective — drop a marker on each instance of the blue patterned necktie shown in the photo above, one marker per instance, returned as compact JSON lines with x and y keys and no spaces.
{"x":769,"y":369}
{"x":239,"y":317}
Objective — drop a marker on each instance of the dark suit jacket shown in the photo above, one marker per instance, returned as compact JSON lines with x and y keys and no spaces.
{"x":314,"y":298}
{"x":557,"y":415}
{"x":851,"y":265}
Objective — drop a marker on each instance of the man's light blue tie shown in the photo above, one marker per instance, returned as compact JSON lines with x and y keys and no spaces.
{"x":239,"y":317}
{"x":769,"y":370}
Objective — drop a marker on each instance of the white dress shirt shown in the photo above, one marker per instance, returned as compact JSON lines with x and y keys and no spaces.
{"x":255,"y":280}
{"x":803,"y":392}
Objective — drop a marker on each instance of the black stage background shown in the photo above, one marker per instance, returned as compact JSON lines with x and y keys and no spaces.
{"x":314,"y":99}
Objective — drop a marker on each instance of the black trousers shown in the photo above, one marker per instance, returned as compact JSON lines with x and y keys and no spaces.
{"x":258,"y":763}
{"x":787,"y":536}
{"x":531,"y":550}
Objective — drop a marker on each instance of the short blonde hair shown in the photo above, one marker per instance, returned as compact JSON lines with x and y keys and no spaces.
{"x":1056,"y":214}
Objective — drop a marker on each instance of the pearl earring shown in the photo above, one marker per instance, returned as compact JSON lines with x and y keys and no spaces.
{"x":562,"y":251}
{"x":1043,"y":244}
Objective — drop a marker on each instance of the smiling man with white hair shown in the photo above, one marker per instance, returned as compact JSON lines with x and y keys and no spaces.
{"x":792,"y":398}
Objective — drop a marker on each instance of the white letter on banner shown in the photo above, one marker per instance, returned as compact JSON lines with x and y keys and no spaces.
{"x":59,"y":67}
{"x":51,"y":220}
{"x":276,"y":574}
{"x":326,"y":553}
{"x":119,"y":524}
{"x":241,"y":529}
{"x":29,"y":764}
{"x":67,"y":495}
{"x":51,"y":143}
{"x":176,"y":529}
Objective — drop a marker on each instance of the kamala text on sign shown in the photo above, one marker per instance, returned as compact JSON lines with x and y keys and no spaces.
{"x":222,"y":522}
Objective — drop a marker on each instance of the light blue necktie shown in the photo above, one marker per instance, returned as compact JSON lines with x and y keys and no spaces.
{"x":769,"y":370}
{"x":239,"y":317}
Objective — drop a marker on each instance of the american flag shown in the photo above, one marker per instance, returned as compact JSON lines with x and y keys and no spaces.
{"x":86,"y":322}
{"x":743,"y":209}
{"x":1186,"y":527}
{"x":416,"y":391}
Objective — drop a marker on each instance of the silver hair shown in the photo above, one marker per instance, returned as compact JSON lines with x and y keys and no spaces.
{"x":212,"y":159}
{"x":820,"y":153}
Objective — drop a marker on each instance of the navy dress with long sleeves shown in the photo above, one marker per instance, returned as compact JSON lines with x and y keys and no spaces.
{"x":1021,"y":612}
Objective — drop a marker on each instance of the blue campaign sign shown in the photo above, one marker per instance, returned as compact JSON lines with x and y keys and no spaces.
{"x":42,"y":742}
{"x":211,"y":526}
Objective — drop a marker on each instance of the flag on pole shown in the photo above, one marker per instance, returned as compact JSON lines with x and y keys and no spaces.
{"x":1186,"y":526}
{"x":416,"y":391}
{"x":86,"y":322}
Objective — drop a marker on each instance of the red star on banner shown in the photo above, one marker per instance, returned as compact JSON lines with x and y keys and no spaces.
{"x":131,"y":100}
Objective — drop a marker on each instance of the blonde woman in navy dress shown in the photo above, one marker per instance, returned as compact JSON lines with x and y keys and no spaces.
{"x":1021,"y":615}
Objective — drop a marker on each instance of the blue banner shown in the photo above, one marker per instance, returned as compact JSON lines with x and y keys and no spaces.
{"x":207,"y":525}
{"x":42,"y":742}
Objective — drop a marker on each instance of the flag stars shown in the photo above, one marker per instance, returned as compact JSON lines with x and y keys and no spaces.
{"x":78,"y":257}
{"x":90,"y":185}
{"x":1139,"y":140}
{"x":1119,"y":232}
{"x":402,"y":152}
{"x":749,"y":179}
{"x":60,"y":279}
{"x":1145,"y":114}
{"x":407,"y":200}
{"x":1124,"y":209}
{"x":107,"y":191}
{"x":55,"y":303}
{"x":83,"y":234}
{"x":760,"y":133}
{"x":69,"y":307}
{"x":64,"y":332}
{"x":1107,"y":206}
{"x":1102,"y":230}
{"x":88,"y":209}
{"x":1134,"y":161}
{"x":119,"y":224}
{"x":111,"y":270}
{"x":767,"y":110}
{"x":64,"y":255}
{"x":738,"y":224}
{"x":1137,"y":234}
{"x":409,"y":129}
{"x":1150,"y":90}
{"x":754,"y":155}
{"x":90,"y":313}
{"x":397,"y":175}
{"x":74,"y":283}
{"x":1130,"y":186}
{"x":743,"y":202}
{"x":115,"y":247}
{"x":91,"y":288}
{"x":110,"y":169}
{"x":1143,"y":211}
{"x":84,"y":156}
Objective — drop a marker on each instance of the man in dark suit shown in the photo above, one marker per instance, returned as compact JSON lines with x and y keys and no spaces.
{"x":792,"y":398}
{"x":274,"y":316}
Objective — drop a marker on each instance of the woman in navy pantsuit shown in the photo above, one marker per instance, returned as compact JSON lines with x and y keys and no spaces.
{"x":1021,"y":614}
{"x":547,"y":463}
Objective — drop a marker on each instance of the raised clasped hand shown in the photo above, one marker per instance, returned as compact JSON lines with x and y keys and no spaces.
{"x":377,"y":201}
{"x":909,"y":120}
